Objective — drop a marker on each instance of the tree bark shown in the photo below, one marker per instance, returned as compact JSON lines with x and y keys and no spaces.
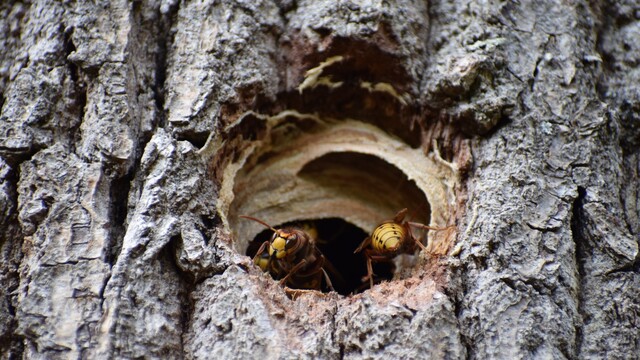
{"x":121,"y":122}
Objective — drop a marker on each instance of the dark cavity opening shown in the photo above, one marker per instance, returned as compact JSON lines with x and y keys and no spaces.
{"x":337,"y":239}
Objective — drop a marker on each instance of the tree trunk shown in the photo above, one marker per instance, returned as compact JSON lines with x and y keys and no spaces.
{"x":133,"y":135}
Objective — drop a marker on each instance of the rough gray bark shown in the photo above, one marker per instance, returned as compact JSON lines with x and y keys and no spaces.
{"x":111,"y":240}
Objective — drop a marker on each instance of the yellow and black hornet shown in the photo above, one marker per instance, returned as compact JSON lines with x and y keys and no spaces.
{"x":291,"y":256}
{"x":391,"y":238}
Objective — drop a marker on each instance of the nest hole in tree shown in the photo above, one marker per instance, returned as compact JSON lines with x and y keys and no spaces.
{"x":360,"y":180}
{"x":340,"y":153}
{"x":345,"y":178}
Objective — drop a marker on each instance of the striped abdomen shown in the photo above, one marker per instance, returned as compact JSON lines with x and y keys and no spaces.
{"x":388,"y":237}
